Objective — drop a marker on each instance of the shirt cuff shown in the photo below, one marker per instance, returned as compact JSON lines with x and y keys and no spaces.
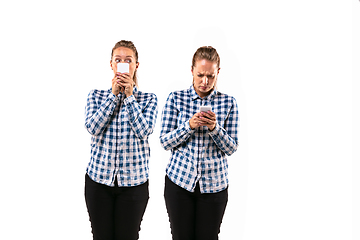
{"x":187,"y":126}
{"x":215,"y":131}
{"x":113,"y":98}
{"x":129,"y":99}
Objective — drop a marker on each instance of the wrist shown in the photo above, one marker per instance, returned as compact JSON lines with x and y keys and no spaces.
{"x":214,"y":130}
{"x":190,"y":126}
{"x":128,"y":93}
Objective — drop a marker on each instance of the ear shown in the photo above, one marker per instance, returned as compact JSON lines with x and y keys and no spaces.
{"x":192,"y":72}
{"x":218,"y":71}
{"x":111,"y":64}
{"x":137,"y":65}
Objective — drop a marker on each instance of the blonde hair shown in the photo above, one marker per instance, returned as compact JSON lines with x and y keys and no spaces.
{"x":131,"y":46}
{"x":207,"y":53}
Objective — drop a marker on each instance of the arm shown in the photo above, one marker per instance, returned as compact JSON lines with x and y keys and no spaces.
{"x":172,"y":135}
{"x":142,"y":121}
{"x":97,"y":117}
{"x":227,"y":138}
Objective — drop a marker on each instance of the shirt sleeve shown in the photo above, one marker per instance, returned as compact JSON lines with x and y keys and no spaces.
{"x":227,"y":138}
{"x":97,"y":116}
{"x":142,"y":121}
{"x":172,"y":135}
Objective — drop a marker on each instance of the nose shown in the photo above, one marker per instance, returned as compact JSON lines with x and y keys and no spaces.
{"x":205,"y":80}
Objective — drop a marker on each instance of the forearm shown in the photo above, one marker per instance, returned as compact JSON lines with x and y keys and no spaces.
{"x":98,"y":117}
{"x":142,"y":121}
{"x":226,"y":136}
{"x":223,"y":140}
{"x":175,"y":137}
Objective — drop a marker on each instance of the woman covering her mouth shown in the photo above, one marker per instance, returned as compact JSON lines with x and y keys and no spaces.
{"x":119,"y":120}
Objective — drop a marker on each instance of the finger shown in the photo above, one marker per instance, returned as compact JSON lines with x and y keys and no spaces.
{"x":126,"y":81}
{"x":115,"y":81}
{"x":125,"y":84}
{"x":120,"y":78}
{"x":208,"y":120}
{"x":197,"y":115}
{"x":209,"y":113}
{"x":125,"y":76}
{"x":115,"y":84}
{"x":206,"y":123}
{"x":209,"y":116}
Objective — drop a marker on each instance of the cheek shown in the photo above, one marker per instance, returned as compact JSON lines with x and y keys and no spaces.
{"x":213,"y":81}
{"x":196,"y":81}
{"x":132,"y":68}
{"x":114,"y":67}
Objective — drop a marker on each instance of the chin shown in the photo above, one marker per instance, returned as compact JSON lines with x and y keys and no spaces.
{"x":203,"y":90}
{"x":206,"y":90}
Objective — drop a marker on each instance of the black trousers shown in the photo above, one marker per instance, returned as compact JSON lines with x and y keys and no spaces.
{"x":194,"y":216}
{"x":115,"y":212}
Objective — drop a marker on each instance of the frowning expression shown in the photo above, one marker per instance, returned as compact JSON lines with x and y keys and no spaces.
{"x":205,"y":75}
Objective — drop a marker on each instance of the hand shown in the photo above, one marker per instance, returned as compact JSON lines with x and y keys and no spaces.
{"x":115,"y":86}
{"x":122,"y":83}
{"x":203,"y":119}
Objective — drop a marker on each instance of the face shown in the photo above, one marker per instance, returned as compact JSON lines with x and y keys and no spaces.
{"x":124,"y":55}
{"x":205,"y":75}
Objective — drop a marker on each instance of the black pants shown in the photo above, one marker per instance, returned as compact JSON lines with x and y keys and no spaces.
{"x":194,"y":216}
{"x":115,"y":212}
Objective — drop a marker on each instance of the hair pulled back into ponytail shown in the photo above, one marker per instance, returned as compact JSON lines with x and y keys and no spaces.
{"x":207,"y":53}
{"x":130,"y":45}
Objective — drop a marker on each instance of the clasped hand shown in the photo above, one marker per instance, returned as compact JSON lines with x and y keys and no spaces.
{"x":122,"y":82}
{"x":203,"y":119}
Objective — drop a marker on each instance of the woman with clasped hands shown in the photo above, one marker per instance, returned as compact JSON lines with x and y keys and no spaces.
{"x":120,"y":121}
{"x":196,"y":182}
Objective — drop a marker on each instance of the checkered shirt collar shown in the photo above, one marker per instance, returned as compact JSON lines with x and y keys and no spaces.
{"x":194,"y":94}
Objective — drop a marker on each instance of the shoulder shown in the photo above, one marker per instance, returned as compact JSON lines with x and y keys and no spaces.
{"x":180,"y":94}
{"x":99,"y":94}
{"x":225,"y":97}
{"x":225,"y":100}
{"x":144,"y":96}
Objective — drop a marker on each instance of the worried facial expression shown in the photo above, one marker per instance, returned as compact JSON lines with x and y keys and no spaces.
{"x":205,"y":75}
{"x":124,"y":55}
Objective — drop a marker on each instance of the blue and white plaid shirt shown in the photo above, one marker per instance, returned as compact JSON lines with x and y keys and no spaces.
{"x":198,"y":154}
{"x":120,"y":128}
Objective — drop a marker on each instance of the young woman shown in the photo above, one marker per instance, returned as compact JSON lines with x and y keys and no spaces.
{"x":196,"y":182}
{"x":120,"y":120}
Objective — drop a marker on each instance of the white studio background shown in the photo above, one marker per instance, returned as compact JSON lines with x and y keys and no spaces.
{"x":288,"y":64}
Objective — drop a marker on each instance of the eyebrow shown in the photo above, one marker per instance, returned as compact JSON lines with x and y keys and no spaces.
{"x":210,"y":74}
{"x":120,"y":56}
